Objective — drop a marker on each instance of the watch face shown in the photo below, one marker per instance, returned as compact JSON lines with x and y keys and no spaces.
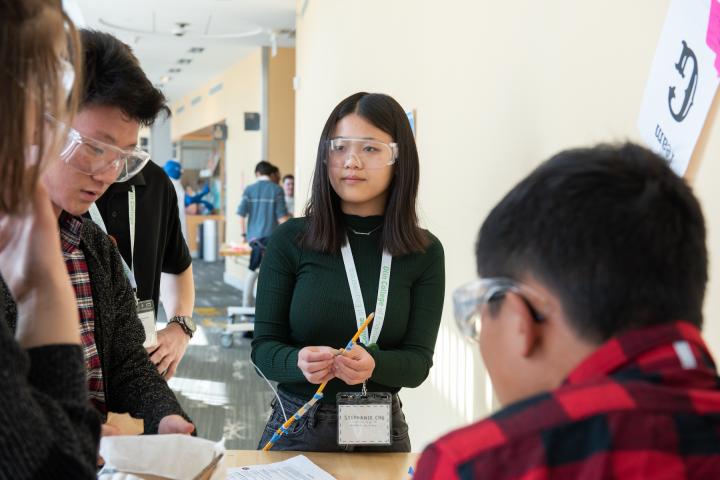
{"x":189,"y":323}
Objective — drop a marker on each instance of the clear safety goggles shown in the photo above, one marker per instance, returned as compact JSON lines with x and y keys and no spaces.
{"x":369,"y":154}
{"x":470,"y":300}
{"x":93,"y":157}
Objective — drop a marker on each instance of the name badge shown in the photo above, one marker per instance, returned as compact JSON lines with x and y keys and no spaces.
{"x":146,"y":314}
{"x":364,"y":419}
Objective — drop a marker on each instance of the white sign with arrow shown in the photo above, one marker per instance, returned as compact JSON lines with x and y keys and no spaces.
{"x":683,"y":81}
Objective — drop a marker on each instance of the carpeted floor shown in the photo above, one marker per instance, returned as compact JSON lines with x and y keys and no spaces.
{"x":217,"y":386}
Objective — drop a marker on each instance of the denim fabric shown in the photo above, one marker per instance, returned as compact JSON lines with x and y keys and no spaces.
{"x":316,"y":431}
{"x":258,"y":247}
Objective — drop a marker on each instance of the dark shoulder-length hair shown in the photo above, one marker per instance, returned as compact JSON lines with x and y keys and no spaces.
{"x":401,"y":235}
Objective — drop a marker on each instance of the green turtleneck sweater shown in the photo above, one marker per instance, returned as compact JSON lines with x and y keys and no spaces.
{"x":303,"y":299}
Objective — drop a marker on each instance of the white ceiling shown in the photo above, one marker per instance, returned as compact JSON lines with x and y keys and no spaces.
{"x":228,"y":30}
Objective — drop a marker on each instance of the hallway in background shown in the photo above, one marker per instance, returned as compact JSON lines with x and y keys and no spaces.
{"x":217,"y":386}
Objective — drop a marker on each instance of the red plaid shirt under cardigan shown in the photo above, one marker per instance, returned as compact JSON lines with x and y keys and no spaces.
{"x":645,"y":405}
{"x":70,"y":228}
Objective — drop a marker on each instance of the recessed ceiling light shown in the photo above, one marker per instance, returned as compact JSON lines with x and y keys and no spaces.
{"x":196,"y":49}
{"x":165,"y":78}
{"x":175,"y":70}
{"x":184,"y":61}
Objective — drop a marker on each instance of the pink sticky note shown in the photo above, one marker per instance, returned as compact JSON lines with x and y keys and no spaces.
{"x":713,"y":32}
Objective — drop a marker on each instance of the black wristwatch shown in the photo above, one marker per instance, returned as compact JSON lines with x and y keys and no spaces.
{"x":187,"y":324}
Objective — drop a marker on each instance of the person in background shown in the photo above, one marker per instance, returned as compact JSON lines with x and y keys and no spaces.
{"x":195,"y":203}
{"x":288,"y":184}
{"x":48,"y":429}
{"x":321,"y":276}
{"x":588,"y":312}
{"x":174,"y":171}
{"x":140,"y":214}
{"x":263,"y":203}
{"x":275,"y":175}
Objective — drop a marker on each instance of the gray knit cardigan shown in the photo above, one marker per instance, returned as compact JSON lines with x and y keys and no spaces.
{"x":132,"y":383}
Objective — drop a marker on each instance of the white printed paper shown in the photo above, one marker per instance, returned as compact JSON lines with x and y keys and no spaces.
{"x":295,"y":468}
{"x":682,"y":84}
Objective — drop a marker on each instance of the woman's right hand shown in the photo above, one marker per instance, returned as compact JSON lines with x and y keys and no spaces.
{"x":32,"y":266}
{"x":316,"y":363}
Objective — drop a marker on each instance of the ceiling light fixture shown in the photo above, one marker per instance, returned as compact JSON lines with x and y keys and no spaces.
{"x":196,"y":49}
{"x":184,"y":61}
{"x":181,"y":30}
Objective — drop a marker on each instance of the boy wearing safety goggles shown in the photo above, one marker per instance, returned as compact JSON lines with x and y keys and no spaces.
{"x":588,"y":313}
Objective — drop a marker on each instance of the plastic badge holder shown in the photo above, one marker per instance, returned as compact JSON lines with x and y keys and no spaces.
{"x":364,"y":419}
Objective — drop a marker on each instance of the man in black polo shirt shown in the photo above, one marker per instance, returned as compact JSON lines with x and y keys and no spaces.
{"x":141,"y":215}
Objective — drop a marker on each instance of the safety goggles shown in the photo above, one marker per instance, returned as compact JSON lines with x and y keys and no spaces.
{"x":93,"y":157}
{"x":469,"y":302}
{"x":369,"y":154}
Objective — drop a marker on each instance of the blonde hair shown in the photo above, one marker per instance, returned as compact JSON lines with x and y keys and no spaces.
{"x":34,"y":36}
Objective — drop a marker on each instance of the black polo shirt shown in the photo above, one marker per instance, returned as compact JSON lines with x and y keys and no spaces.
{"x":159,"y":243}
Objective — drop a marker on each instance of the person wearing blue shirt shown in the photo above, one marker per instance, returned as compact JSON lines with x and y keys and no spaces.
{"x":263,"y":203}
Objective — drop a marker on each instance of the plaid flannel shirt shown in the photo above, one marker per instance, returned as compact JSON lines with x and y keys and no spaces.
{"x":645,"y":405}
{"x":70,"y":229}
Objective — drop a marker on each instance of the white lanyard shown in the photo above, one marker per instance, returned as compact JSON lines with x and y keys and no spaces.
{"x":382,"y":296}
{"x":131,"y":217}
{"x":97,"y":218}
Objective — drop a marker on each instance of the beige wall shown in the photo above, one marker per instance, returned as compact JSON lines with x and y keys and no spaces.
{"x":498,"y":87}
{"x":241,"y":92}
{"x":281,"y":110}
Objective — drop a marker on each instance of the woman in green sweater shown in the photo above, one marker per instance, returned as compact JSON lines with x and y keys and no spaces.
{"x":321,"y":276}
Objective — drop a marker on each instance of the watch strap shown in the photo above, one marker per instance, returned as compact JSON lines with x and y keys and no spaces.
{"x":180,"y":320}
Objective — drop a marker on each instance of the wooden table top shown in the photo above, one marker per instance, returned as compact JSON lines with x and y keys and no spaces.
{"x":343,"y":466}
{"x":234,"y":250}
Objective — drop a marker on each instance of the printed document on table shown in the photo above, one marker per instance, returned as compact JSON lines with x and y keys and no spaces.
{"x":296,"y":468}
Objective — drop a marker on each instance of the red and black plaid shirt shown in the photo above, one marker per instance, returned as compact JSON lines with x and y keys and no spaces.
{"x":645,"y":405}
{"x":70,"y":229}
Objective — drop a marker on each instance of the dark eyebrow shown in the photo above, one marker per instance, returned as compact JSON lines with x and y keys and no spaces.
{"x":107,"y":138}
{"x":357,"y":138}
{"x":104,"y":137}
